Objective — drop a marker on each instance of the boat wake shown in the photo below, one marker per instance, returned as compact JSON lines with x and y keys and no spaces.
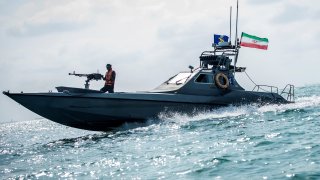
{"x":226,"y":113}
{"x":301,"y":103}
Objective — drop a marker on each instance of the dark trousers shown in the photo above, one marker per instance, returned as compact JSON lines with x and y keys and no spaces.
{"x":108,"y":88}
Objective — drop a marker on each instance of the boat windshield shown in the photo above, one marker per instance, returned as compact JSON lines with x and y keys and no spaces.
{"x":180,"y":78}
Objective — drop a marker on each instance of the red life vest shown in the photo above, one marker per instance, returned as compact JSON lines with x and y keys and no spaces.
{"x":108,"y":76}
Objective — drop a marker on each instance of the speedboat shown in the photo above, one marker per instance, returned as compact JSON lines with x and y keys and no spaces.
{"x":211,"y":85}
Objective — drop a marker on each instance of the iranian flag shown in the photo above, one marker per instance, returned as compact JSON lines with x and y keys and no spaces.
{"x":251,"y":41}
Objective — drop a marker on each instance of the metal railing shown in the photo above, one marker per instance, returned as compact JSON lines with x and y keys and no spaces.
{"x":262,"y":87}
{"x":289,"y":92}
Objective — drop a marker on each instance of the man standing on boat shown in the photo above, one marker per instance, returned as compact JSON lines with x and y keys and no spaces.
{"x":110,"y":78}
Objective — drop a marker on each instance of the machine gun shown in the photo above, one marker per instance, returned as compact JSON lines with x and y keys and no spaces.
{"x":92,"y":76}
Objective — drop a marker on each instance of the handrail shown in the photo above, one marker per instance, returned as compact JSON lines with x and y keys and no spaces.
{"x":289,"y":93}
{"x":258,"y":87}
{"x":228,"y":52}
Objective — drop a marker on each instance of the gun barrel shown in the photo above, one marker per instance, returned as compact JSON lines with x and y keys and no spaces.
{"x":95,"y":76}
{"x":80,"y":75}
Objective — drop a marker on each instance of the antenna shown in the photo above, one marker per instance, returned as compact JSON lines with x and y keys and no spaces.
{"x":230,"y":23}
{"x":236,"y":38}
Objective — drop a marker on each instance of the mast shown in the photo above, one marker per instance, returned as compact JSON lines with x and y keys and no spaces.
{"x":236,"y":40}
{"x":230,"y":23}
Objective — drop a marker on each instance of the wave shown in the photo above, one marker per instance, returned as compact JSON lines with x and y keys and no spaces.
{"x":226,"y":113}
{"x":300,"y":103}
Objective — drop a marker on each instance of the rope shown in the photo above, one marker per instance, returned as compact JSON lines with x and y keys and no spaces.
{"x":255,"y":83}
{"x":250,"y":78}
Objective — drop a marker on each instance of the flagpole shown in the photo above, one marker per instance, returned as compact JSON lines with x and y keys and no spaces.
{"x":230,"y":22}
{"x":236,"y":40}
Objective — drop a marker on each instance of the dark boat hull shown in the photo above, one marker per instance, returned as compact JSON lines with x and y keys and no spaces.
{"x":102,"y":111}
{"x":97,"y":113}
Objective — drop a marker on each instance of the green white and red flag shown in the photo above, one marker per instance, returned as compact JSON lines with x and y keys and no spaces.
{"x":251,"y":41}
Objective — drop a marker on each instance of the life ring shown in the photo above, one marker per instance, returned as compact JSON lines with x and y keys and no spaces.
{"x":221,"y":80}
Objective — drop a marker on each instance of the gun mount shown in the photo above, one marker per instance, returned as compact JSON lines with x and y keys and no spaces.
{"x":92,"y":76}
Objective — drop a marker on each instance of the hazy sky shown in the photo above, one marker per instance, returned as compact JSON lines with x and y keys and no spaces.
{"x":147,"y":41}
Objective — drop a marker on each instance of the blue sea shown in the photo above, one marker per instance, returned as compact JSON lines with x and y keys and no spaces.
{"x":246,"y":142}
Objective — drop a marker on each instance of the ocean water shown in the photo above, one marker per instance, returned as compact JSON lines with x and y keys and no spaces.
{"x":246,"y":142}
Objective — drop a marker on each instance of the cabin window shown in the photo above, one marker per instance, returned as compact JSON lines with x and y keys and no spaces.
{"x":203,"y":78}
{"x":180,"y":78}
